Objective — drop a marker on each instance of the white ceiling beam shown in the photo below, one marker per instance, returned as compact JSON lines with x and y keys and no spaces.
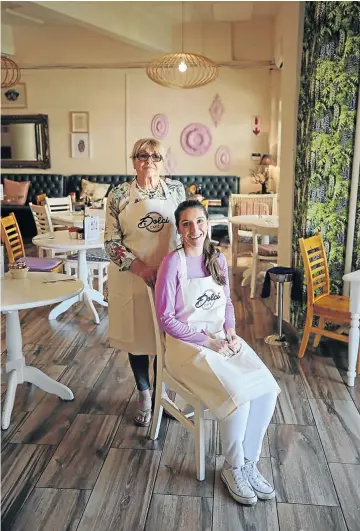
{"x":119,"y":20}
{"x":7,"y":40}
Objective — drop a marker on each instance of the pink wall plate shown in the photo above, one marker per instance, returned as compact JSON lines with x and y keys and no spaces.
{"x":160,"y":126}
{"x":196,"y":139}
{"x":223,"y":158}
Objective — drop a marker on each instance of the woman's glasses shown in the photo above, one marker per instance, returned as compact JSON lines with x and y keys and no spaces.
{"x":144,"y":157}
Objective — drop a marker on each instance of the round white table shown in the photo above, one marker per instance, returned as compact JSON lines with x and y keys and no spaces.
{"x":354,"y":333}
{"x":76,"y":219}
{"x":266,"y":225}
{"x":38,"y":289}
{"x":61,"y":241}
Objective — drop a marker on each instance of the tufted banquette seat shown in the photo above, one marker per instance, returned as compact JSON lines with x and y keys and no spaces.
{"x":213,"y":187}
{"x":40,"y":183}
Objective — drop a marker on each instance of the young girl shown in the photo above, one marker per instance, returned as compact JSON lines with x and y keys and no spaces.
{"x":203,"y":352}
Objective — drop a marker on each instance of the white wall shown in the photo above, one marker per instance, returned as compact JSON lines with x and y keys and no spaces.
{"x":117,"y":118}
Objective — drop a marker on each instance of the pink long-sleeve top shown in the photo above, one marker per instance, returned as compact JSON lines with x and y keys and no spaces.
{"x":169,"y":300}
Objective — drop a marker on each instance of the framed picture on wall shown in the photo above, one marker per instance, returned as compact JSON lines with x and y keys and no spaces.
{"x":80,"y":145}
{"x":14,"y":97}
{"x":79,"y":122}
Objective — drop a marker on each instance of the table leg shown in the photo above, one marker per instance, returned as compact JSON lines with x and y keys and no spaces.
{"x":354,"y":337}
{"x":18,"y":373}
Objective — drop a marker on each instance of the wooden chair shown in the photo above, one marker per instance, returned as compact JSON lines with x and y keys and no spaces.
{"x":249,"y":205}
{"x":59,"y":204}
{"x":40,"y":199}
{"x":329,"y":308}
{"x":162,"y":401}
{"x":11,"y":236}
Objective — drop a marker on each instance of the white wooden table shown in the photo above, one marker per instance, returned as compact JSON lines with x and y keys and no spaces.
{"x":61,"y":241}
{"x":76,"y":219}
{"x":354,"y":335}
{"x":266,"y":225}
{"x":22,"y":294}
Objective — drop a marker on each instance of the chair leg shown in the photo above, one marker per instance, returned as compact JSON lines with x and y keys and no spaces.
{"x":253,"y":278}
{"x":318,"y":336}
{"x":306,"y":334}
{"x":100,"y":279}
{"x":158,"y":410}
{"x":199,"y":442}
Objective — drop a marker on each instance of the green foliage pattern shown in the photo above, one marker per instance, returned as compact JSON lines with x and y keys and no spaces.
{"x":330,"y":75}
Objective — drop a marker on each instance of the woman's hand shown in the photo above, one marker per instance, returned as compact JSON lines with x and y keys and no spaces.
{"x":233,"y":340}
{"x":147,"y":273}
{"x":219,"y":345}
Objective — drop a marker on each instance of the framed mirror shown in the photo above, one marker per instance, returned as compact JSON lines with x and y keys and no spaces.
{"x":25,"y":141}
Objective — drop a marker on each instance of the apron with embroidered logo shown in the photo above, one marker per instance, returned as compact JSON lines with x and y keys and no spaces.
{"x":222,"y":384}
{"x":149,"y":232}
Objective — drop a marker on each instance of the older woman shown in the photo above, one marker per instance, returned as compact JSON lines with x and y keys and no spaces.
{"x":140,"y":231}
{"x":203,"y":352}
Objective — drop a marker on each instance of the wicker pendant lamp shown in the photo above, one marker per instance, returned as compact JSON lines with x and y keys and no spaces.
{"x":182,"y":70}
{"x":10,"y":72}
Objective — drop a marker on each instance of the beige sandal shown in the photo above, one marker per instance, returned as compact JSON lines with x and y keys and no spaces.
{"x":142,"y":417}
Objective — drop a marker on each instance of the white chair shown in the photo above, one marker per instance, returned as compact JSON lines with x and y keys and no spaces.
{"x":262,"y":253}
{"x":249,"y":205}
{"x":196,"y":424}
{"x":59,"y":204}
{"x":97,"y":264}
{"x":44,"y":224}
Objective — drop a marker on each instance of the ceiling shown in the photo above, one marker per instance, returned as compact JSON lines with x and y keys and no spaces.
{"x":37,"y":14}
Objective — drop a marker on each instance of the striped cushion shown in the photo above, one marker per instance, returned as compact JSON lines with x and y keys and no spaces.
{"x":270,"y":249}
{"x":251,"y":208}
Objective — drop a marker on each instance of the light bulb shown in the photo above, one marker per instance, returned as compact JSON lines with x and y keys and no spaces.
{"x":182,"y":67}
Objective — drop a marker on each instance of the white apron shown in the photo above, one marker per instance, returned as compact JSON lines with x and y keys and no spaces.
{"x":223,"y":384}
{"x":149,"y":232}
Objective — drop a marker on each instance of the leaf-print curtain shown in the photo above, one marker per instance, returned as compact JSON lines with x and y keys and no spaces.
{"x":330,"y":74}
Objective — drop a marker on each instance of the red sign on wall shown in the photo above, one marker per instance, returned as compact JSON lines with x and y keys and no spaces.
{"x":256,"y":124}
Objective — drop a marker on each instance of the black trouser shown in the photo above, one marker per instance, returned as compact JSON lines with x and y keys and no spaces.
{"x":140,"y":368}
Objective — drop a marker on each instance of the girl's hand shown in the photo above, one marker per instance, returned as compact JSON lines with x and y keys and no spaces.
{"x":233,"y":340}
{"x":219,"y":345}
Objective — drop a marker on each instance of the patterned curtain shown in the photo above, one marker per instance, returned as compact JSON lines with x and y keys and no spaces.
{"x":330,"y":75}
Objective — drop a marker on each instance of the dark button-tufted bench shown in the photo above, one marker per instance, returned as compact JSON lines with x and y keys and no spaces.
{"x":40,"y":183}
{"x":213,"y":186}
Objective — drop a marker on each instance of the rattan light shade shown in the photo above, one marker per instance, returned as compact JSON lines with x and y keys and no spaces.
{"x":10,"y":72}
{"x":165,"y":70}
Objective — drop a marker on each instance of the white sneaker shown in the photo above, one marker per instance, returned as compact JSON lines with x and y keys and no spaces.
{"x":238,"y":485}
{"x":261,"y":487}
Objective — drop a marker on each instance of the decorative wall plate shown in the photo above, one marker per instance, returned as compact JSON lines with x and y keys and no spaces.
{"x":196,"y":139}
{"x":217,"y":110}
{"x":160,"y":126}
{"x":223,"y":158}
{"x":170,"y":162}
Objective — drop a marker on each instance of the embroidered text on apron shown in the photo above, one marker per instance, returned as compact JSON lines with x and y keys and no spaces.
{"x":149,"y":232}
{"x":220,"y":383}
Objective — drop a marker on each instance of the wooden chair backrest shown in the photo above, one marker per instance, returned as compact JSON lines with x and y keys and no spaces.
{"x":40,"y":199}
{"x":253,"y":199}
{"x":159,"y":335}
{"x":316,"y":267}
{"x":11,"y":236}
{"x":42,"y":218}
{"x":59,"y":204}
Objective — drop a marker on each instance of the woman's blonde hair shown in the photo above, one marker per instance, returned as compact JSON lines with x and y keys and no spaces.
{"x":143,"y":144}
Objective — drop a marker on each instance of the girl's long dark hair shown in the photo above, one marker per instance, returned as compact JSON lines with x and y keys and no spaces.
{"x":210,"y":252}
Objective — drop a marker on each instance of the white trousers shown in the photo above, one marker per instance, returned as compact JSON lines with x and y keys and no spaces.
{"x":243,"y":431}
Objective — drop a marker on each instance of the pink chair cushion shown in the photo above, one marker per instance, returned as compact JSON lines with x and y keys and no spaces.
{"x":251,"y":208}
{"x":40,"y":264}
{"x":270,"y":249}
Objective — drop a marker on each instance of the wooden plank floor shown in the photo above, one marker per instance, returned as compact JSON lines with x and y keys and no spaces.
{"x":84,"y":466}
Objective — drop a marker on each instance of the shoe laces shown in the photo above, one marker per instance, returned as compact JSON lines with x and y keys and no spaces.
{"x":252,"y":471}
{"x":240,"y":477}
